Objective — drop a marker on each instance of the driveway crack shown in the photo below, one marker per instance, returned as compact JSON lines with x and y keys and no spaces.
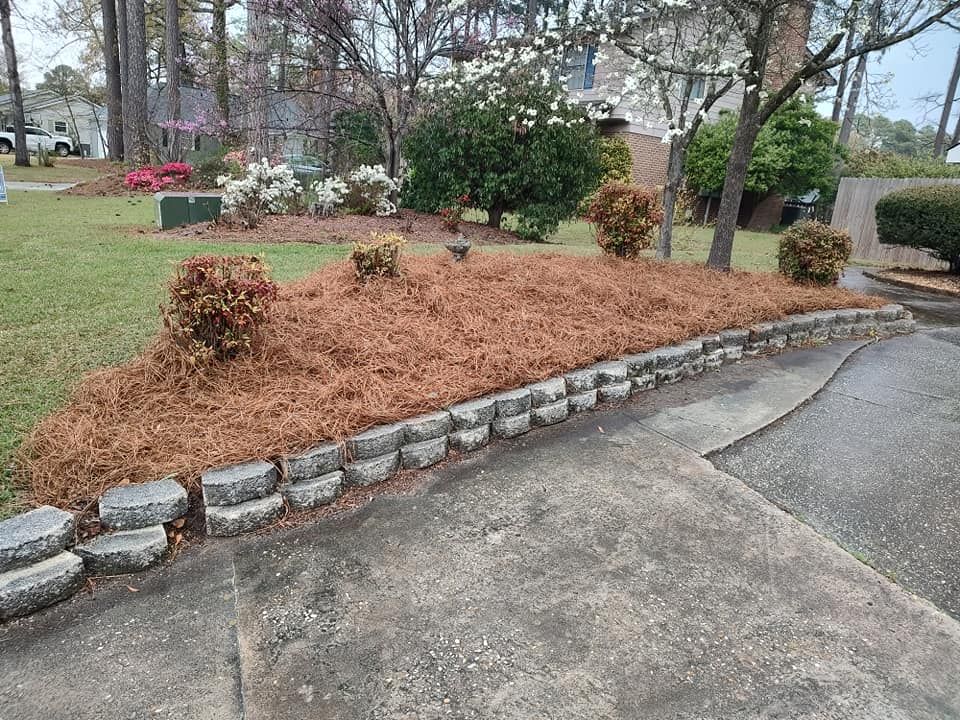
{"x":236,"y":629}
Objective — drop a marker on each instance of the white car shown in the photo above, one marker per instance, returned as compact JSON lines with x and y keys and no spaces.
{"x":37,"y":138}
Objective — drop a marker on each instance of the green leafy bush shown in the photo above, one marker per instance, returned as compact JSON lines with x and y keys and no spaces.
{"x":812,"y":251}
{"x":927,"y":218}
{"x":513,"y":144}
{"x":615,"y":161}
{"x":217,"y":305}
{"x":625,"y":217}
{"x":378,"y":258}
{"x":873,"y":163}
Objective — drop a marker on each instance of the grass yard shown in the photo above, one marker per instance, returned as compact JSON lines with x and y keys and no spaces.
{"x":64,"y":170}
{"x":81,"y":279}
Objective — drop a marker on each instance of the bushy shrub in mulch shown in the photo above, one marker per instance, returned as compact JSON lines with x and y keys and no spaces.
{"x":378,"y":258}
{"x":154,"y":179}
{"x":338,"y":356}
{"x":625,"y":217}
{"x":926,"y":218}
{"x":218,"y":305}
{"x":812,"y":251}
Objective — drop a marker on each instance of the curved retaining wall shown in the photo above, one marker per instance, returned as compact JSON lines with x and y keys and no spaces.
{"x":40,"y":563}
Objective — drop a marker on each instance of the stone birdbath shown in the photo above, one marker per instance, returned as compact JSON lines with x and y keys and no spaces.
{"x":458,"y":247}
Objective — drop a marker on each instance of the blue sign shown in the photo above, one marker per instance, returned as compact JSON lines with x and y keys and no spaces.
{"x":3,"y":187}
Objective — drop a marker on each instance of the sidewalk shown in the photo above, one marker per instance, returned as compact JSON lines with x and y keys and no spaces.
{"x":597,"y":569}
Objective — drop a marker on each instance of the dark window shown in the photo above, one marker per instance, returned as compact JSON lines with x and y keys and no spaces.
{"x":196,"y":142}
{"x":60,"y":126}
{"x":699,"y":89}
{"x":164,"y":138}
{"x":579,"y":67}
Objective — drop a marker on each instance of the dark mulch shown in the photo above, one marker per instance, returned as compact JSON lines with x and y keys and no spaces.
{"x":415,"y":226}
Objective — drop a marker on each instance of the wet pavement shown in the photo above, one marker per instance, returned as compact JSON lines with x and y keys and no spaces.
{"x":873,"y":460}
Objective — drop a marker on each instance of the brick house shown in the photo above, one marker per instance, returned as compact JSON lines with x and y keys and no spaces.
{"x":643,"y":129}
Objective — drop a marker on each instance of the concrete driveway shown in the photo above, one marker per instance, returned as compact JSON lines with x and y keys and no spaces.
{"x":597,"y":569}
{"x":873,"y":460}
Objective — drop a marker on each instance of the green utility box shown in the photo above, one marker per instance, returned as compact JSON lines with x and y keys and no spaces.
{"x":185,"y":208}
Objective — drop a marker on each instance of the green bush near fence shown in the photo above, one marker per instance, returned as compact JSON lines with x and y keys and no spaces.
{"x":926,"y":218}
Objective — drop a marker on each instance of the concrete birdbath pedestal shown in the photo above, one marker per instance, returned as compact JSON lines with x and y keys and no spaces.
{"x":458,"y":247}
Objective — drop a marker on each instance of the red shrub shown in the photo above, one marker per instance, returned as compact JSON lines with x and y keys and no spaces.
{"x":217,"y":305}
{"x":154,"y":179}
{"x":625,"y":217}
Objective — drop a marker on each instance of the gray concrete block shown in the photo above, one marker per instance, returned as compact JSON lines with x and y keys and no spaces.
{"x":670,"y":357}
{"x":511,"y":402}
{"x":803,"y":323}
{"x":611,"y":372}
{"x":238,"y":483}
{"x":824,"y":318}
{"x":713,"y":360}
{"x":890,"y":312}
{"x":424,"y":453}
{"x":847,"y":317}
{"x":669,"y":376}
{"x":28,"y":589}
{"x":508,"y":427}
{"x":550,"y":414}
{"x":865,"y":315}
{"x":644,"y":382}
{"x":838,"y":332}
{"x":547,"y":391}
{"x":427,"y":427}
{"x":692,"y":368}
{"x":128,"y":507}
{"x":783,"y":327}
{"x":735,"y":337}
{"x":777,"y":342}
{"x":798,"y":338}
{"x":375,"y":442}
{"x":227,"y":520}
{"x":320,"y":460}
{"x":373,"y":470}
{"x":709,"y":343}
{"x":641,"y":364}
{"x":473,"y":414}
{"x":33,"y":536}
{"x":581,"y":380}
{"x":615,"y":393}
{"x":760,"y":333}
{"x":732,"y":353}
{"x":314,"y":492}
{"x":470,"y":439}
{"x":126,"y":551}
{"x":581,"y":402}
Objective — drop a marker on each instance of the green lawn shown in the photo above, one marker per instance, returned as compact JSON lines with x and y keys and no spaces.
{"x":62,"y":171}
{"x":81,"y":279}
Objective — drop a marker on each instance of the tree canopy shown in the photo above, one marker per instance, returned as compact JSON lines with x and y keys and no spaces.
{"x":901,"y":137}
{"x":519,"y":147}
{"x":795,"y":152}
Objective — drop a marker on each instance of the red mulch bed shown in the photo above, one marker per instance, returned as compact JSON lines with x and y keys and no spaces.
{"x":415,"y":226}
{"x":338,"y":357}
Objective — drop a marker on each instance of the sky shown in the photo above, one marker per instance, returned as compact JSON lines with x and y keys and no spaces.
{"x":913,"y":70}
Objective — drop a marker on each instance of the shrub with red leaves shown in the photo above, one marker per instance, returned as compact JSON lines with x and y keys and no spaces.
{"x":625,"y":217}
{"x":217,"y":305}
{"x":154,"y":179}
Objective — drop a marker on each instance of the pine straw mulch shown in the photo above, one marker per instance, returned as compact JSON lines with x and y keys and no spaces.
{"x":108,"y":185}
{"x":938,"y":282}
{"x":415,"y":226}
{"x":338,"y":357}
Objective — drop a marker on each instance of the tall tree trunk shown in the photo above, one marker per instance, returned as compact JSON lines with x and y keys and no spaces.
{"x":744,"y":138}
{"x":22,"y":157}
{"x":221,"y":74}
{"x":172,"y":42}
{"x":123,"y":46}
{"x":530,"y":18}
{"x":842,"y":78}
{"x":257,"y":59}
{"x":670,"y":192}
{"x":940,"y":140}
{"x":282,"y":64}
{"x":111,"y":65}
{"x":853,"y":99}
{"x":136,"y":137}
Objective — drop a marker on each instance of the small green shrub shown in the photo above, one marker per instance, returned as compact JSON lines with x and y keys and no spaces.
{"x":378,"y":258}
{"x":812,"y":251}
{"x":616,"y":165}
{"x":217,"y":305}
{"x":927,"y":218}
{"x":624,"y":217}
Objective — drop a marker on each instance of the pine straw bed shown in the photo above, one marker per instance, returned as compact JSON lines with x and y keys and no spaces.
{"x":338,"y":357}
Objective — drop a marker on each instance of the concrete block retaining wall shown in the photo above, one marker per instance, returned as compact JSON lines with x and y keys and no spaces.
{"x":40,"y":564}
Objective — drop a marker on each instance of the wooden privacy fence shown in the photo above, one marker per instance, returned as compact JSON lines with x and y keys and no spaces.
{"x":855,"y":210}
